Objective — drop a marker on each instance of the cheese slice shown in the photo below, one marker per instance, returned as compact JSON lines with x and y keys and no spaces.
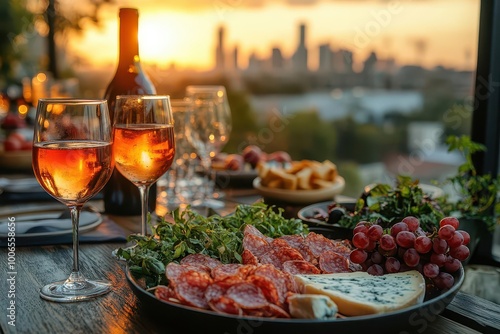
{"x":359,"y":293}
{"x":308,"y":306}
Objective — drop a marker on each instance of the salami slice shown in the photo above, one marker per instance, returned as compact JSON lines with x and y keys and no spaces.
{"x":201,"y":259}
{"x":216,"y":290}
{"x":250,"y":229}
{"x":286,"y":253}
{"x":267,"y":287}
{"x":247,"y":296}
{"x":332,"y":262}
{"x":279,"y":279}
{"x":300,"y":267}
{"x":165,"y":293}
{"x":232,"y":270}
{"x":299,"y":243}
{"x":174,"y":270}
{"x":319,"y":244}
{"x":248,"y":258}
{"x":191,"y":286}
{"x":257,"y":245}
{"x":225,"y":305}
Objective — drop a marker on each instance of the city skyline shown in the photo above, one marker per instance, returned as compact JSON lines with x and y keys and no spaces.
{"x":186,"y":37}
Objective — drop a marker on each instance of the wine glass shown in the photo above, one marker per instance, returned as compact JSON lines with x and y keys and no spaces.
{"x":208,"y":130}
{"x":143,"y":141}
{"x":72,"y":161}
{"x":217,"y":97}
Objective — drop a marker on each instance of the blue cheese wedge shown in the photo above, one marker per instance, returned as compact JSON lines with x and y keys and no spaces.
{"x":308,"y":306}
{"x":359,"y":293}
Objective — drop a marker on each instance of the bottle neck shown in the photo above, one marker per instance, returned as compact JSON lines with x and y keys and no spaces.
{"x":129,"y":41}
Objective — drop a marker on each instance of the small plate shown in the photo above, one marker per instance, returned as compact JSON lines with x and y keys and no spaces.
{"x":88,"y":220}
{"x":301,"y":196}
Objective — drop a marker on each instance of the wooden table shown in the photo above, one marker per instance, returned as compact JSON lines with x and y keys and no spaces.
{"x":120,"y":311}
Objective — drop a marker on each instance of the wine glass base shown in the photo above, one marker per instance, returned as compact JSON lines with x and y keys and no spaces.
{"x":81,"y":291}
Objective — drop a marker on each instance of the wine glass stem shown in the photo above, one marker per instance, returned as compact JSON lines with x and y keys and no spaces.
{"x":207,"y":166}
{"x":75,"y":218}
{"x":144,"y":192}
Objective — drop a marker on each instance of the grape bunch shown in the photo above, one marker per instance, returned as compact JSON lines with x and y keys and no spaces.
{"x":406,"y":246}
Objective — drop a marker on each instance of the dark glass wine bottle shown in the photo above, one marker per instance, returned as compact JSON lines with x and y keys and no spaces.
{"x":121,"y":197}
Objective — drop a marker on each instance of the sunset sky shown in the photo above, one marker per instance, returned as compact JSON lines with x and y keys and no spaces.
{"x":423,"y":32}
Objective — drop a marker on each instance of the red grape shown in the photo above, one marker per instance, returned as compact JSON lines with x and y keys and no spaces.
{"x":466,"y":236}
{"x":452,"y":265}
{"x":411,"y":257}
{"x":377,"y":258}
{"x":371,"y":246}
{"x":446,"y":232}
{"x":360,"y":240}
{"x":460,"y":253}
{"x":358,"y":256}
{"x":444,"y":281}
{"x":456,"y":240}
{"x":362,"y":226}
{"x":375,"y":232}
{"x":392,"y":265}
{"x":431,"y":270}
{"x":398,"y":227}
{"x":405,"y":239}
{"x":375,"y":270}
{"x":439,"y":246}
{"x":439,"y":259}
{"x":449,"y":221}
{"x":387,"y":242}
{"x":420,"y":232}
{"x":423,"y":244}
{"x":388,"y":253}
{"x":412,"y":222}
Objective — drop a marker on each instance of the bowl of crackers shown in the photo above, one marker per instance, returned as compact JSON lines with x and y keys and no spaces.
{"x":300,"y":182}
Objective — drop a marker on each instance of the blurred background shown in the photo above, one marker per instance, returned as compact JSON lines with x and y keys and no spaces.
{"x":374,"y":86}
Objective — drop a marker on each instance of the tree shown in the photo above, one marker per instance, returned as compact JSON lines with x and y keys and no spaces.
{"x":61,"y":21}
{"x":14,"y":20}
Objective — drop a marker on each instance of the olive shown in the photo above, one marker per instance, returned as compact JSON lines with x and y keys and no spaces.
{"x":335,"y":215}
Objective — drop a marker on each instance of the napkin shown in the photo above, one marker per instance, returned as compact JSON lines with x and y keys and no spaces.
{"x":107,"y":231}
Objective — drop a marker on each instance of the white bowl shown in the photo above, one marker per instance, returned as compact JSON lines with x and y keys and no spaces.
{"x":301,"y":196}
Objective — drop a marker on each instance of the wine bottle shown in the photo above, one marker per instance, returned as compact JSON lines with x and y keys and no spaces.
{"x":121,"y":197}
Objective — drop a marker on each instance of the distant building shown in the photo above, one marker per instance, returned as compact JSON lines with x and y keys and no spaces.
{"x":299,"y":58}
{"x":325,"y":58}
{"x":219,"y":51}
{"x":277,"y":60}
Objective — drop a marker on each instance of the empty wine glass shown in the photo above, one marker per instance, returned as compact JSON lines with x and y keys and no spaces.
{"x":72,"y":161}
{"x":212,"y":97}
{"x":143,"y":141}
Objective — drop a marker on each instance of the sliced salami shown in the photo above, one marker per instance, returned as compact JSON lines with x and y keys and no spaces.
{"x":225,"y":305}
{"x":279,"y":279}
{"x":299,"y":243}
{"x":216,"y":290}
{"x":190,"y":288}
{"x":332,"y":262}
{"x":201,"y":259}
{"x":174,"y":270}
{"x":247,"y":257}
{"x":319,"y":244}
{"x":232,"y":270}
{"x":300,"y":267}
{"x":247,"y":296}
{"x":255,"y":244}
{"x":165,"y":293}
{"x":250,"y":229}
{"x":267,"y":287}
{"x":286,"y":253}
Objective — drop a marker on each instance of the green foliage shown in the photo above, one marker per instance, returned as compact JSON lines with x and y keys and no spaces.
{"x":478,"y":193}
{"x":387,"y":205}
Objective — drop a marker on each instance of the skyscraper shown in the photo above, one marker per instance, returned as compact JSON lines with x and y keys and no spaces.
{"x":219,"y":52}
{"x":299,"y":58}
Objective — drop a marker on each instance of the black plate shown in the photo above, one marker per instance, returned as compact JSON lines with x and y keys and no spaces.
{"x":192,"y":320}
